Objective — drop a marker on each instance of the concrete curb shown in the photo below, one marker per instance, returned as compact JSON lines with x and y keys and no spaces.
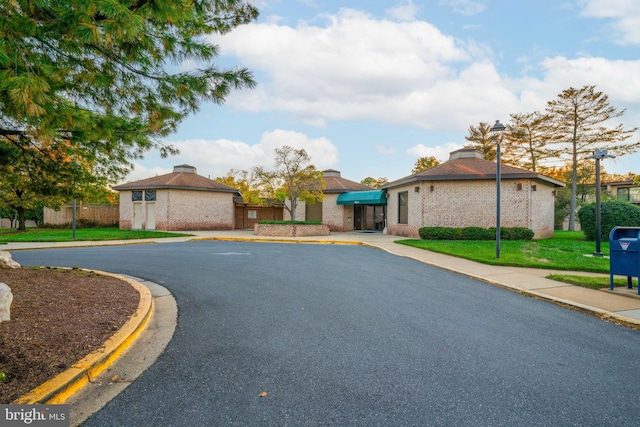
{"x":58,"y":389}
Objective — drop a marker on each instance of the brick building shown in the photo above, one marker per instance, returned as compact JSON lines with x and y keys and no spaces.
{"x":343,"y":216}
{"x":462,"y":192}
{"x":178,"y":201}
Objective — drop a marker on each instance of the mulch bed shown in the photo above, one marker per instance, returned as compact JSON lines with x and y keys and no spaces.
{"x":58,"y":317}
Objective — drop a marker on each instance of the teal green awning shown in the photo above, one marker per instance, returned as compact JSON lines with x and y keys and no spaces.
{"x":374,"y":197}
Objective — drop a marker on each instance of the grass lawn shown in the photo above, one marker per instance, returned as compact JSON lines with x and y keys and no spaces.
{"x":65,"y":235}
{"x":590,"y":282}
{"x":565,"y":251}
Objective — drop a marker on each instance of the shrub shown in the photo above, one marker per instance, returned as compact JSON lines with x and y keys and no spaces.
{"x":474,"y":233}
{"x":612,"y":213}
{"x":516,"y":233}
{"x":80,"y":223}
{"x":477,"y":233}
{"x":270,"y":221}
{"x":439,"y":233}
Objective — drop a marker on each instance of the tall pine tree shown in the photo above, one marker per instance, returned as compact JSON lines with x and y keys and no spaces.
{"x":578,"y":126}
{"x":526,"y":141}
{"x":481,"y":138}
{"x":108,"y":78}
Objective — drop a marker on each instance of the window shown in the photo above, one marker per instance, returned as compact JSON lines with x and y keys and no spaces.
{"x":252,"y":214}
{"x":136,"y":196}
{"x":150,"y":195}
{"x":403,"y":207}
{"x":623,"y":194}
{"x":629,"y":194}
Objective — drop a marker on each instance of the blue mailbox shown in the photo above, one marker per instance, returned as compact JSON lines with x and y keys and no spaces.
{"x":624,"y":248}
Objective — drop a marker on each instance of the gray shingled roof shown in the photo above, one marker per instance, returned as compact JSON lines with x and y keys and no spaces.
{"x":177,"y":180}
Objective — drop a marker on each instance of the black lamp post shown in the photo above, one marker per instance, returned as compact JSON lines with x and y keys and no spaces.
{"x":74,"y":166}
{"x":498,"y":132}
{"x":598,"y":155}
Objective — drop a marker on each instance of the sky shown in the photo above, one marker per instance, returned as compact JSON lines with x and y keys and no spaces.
{"x":367,"y":87}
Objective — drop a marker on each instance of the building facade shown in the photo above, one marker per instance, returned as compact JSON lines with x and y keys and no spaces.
{"x":462,"y":192}
{"x":179,"y":201}
{"x":340,"y":217}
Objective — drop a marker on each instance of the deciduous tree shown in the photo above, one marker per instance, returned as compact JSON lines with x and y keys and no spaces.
{"x":294,"y":178}
{"x":374,"y":182}
{"x":424,"y":163}
{"x":44,"y":174}
{"x":245,"y":183}
{"x":577,"y":127}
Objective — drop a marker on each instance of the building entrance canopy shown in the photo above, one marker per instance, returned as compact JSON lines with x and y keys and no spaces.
{"x":374,"y":197}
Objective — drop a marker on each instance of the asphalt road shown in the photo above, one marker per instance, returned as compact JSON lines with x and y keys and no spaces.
{"x":353,"y":336}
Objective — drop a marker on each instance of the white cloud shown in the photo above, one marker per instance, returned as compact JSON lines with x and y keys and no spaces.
{"x":440,"y":152}
{"x":616,"y":78}
{"x":625,"y":16}
{"x":404,"y":11}
{"x":213,"y":158}
{"x":358,"y":68}
{"x":465,"y":7}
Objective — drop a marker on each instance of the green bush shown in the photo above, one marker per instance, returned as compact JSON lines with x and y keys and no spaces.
{"x":439,"y":233}
{"x":613,"y":213}
{"x":515,"y":233}
{"x":474,"y":233}
{"x":477,"y":233}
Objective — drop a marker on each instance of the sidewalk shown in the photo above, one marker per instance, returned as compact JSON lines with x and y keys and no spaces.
{"x":621,"y":305}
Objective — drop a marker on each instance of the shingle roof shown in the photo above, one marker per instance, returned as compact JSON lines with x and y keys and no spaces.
{"x":177,"y":180}
{"x":471,"y":168}
{"x":336,"y":184}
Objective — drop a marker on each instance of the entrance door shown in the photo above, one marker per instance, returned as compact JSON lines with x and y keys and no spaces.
{"x":151,"y":216}
{"x":358,"y":217}
{"x":137,"y":216}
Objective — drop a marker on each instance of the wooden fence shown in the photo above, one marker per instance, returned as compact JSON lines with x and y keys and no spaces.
{"x":104,"y":215}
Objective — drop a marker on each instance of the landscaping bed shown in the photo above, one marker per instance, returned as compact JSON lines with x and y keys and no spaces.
{"x":291,"y":230}
{"x":57,"y":318}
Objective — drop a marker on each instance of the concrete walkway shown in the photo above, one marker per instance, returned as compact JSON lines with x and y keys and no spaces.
{"x":621,"y":305}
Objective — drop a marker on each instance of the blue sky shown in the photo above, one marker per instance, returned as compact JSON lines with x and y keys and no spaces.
{"x":369,"y":87}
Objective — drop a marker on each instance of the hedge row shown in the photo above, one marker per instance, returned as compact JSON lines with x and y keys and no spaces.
{"x":270,"y":221}
{"x":474,"y":233}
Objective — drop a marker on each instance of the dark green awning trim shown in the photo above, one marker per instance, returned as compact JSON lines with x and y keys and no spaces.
{"x":374,"y":197}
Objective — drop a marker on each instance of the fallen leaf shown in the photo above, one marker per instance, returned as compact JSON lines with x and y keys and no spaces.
{"x":263,"y":394}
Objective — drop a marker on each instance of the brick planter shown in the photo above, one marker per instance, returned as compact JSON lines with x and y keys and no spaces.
{"x":290,"y":230}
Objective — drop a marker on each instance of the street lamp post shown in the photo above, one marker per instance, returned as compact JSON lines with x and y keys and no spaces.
{"x":73,"y":219}
{"x":498,"y":131}
{"x":598,"y":155}
{"x":74,"y":166}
